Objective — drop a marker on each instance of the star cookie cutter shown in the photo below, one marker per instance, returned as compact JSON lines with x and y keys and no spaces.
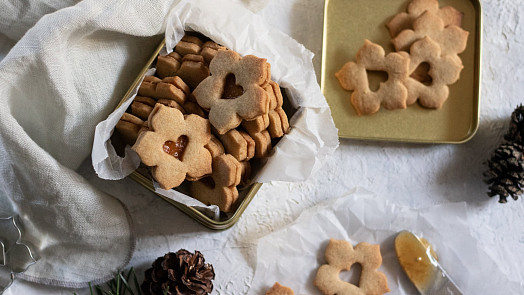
{"x":15,"y":255}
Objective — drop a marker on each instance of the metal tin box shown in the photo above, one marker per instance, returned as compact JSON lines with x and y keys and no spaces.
{"x":347,"y":24}
{"x":141,"y":176}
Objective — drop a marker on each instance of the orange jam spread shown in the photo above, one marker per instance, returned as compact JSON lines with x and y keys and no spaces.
{"x":231,"y":89}
{"x":413,"y":255}
{"x":176,"y":148}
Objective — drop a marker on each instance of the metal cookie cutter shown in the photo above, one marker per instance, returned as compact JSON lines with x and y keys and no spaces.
{"x":15,"y":256}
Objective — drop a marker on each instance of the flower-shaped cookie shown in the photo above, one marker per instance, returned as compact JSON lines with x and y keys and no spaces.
{"x":174,"y":146}
{"x":403,"y":20}
{"x":235,"y":89}
{"x":220,"y":188}
{"x":452,"y":39}
{"x":341,"y":255}
{"x":391,"y":94}
{"x":444,"y":70}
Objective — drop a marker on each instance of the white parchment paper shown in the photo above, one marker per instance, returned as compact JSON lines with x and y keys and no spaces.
{"x":292,"y":255}
{"x":313,"y":135}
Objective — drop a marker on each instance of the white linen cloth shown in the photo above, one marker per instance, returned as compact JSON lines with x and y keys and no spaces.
{"x":64,"y":76}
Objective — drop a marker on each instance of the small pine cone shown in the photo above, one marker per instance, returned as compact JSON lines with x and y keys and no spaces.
{"x":180,"y":273}
{"x":506,"y":172}
{"x":516,"y":127}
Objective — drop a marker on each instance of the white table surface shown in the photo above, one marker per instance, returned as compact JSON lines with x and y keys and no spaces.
{"x":415,"y":175}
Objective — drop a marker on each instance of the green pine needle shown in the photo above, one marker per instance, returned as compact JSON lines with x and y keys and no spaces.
{"x":119,"y":285}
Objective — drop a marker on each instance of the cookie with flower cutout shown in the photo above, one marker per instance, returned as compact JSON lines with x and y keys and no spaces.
{"x":444,"y":70}
{"x":174,"y":146}
{"x":404,"y":20}
{"x":235,"y":90}
{"x":392,"y":94}
{"x":452,"y":39}
{"x":340,"y":256}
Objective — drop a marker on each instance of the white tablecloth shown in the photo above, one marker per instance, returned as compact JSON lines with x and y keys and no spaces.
{"x":413,"y":175}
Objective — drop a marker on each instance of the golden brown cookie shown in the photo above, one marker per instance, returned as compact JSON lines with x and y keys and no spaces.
{"x":129,"y":126}
{"x":340,"y":255}
{"x":391,"y":94}
{"x":142,"y":106}
{"x":148,"y":86}
{"x":452,"y":39}
{"x":172,"y":88}
{"x":239,"y":144}
{"x":174,"y":146}
{"x":258,"y":124}
{"x":444,"y":70}
{"x":278,"y":121}
{"x":278,"y":289}
{"x":193,"y":108}
{"x":168,"y":65}
{"x":219,"y":188}
{"x":235,"y":90}
{"x":189,"y":45}
{"x":262,"y":143}
{"x":215,"y":147}
{"x":246,"y":172}
{"x":172,"y":104}
{"x":209,"y":50}
{"x":193,"y":70}
{"x":404,"y":21}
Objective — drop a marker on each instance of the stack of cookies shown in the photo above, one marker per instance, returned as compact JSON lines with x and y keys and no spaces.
{"x":427,"y":39}
{"x":203,"y":119}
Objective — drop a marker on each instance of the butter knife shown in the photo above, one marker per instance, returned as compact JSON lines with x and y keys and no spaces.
{"x":419,"y":262}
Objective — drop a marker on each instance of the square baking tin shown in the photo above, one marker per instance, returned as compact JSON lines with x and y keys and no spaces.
{"x":142,"y":176}
{"x":347,"y":24}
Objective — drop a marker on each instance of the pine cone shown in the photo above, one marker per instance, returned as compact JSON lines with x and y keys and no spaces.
{"x":516,"y":128}
{"x":180,"y":273}
{"x":506,"y":172}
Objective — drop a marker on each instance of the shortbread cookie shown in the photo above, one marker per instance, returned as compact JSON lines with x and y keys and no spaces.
{"x":246,"y":172}
{"x":235,"y":90}
{"x":215,"y":147}
{"x":193,"y":70}
{"x":174,"y":146}
{"x":239,"y":144}
{"x":452,"y":39}
{"x":168,"y":88}
{"x":172,"y":104}
{"x":444,"y":70}
{"x":129,"y":126}
{"x":172,"y":88}
{"x":340,"y":256}
{"x":391,"y":94}
{"x":209,"y":50}
{"x":262,"y":143}
{"x":168,"y":65}
{"x":278,"y":289}
{"x":193,"y":108}
{"x":404,"y":21}
{"x":219,"y":188}
{"x":148,"y":86}
{"x":142,"y":106}
{"x":189,"y":45}
{"x":278,"y":121}
{"x":258,"y":124}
